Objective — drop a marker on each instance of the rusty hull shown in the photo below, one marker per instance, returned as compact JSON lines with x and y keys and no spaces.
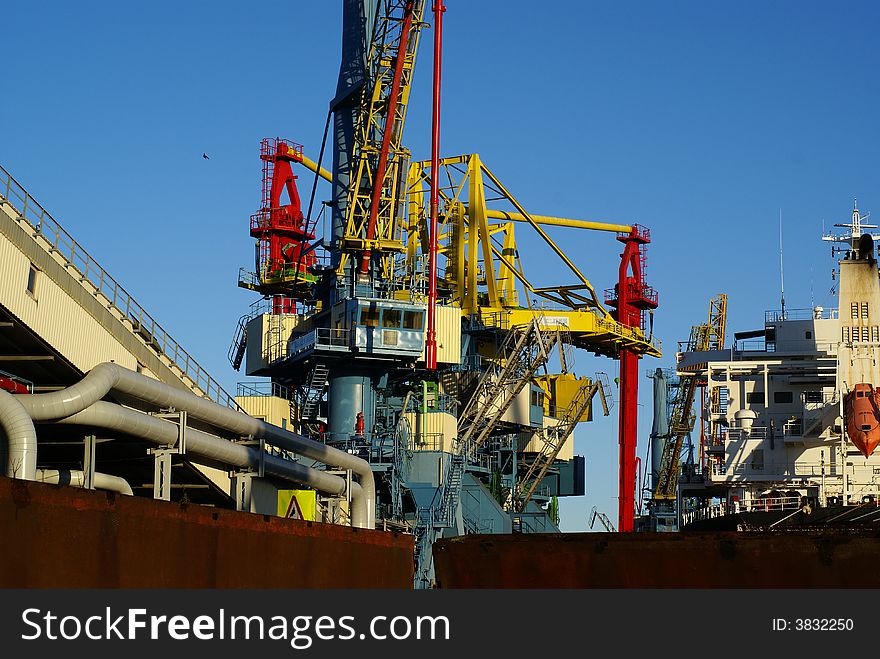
{"x":816,"y":559}
{"x":58,"y":537}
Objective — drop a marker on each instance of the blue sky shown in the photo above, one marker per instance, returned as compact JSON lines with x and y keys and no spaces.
{"x":700,"y":120}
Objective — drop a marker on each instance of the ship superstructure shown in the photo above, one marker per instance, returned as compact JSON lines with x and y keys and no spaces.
{"x":788,"y":419}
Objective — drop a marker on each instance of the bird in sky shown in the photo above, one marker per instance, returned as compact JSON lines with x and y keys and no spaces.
{"x":205,"y":156}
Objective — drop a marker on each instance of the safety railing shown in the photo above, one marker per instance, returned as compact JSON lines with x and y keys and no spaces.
{"x":761,"y":504}
{"x":62,"y":243}
{"x":776,"y":469}
{"x":634,"y":292}
{"x":262,"y":388}
{"x":816,"y":313}
{"x":750,"y":345}
{"x":248,"y":279}
{"x":708,"y":512}
{"x":613,"y":327}
{"x":818,"y":400}
{"x":792,"y":428}
{"x":468,"y":363}
{"x":376,"y":449}
{"x":828,"y":347}
{"x":322,"y":337}
{"x":755,"y":432}
{"x":431,"y":441}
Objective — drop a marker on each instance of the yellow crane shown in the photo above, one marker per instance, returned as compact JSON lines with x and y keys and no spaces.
{"x":374,"y":208}
{"x":708,"y":336}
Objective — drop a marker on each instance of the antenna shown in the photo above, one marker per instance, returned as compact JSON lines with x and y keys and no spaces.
{"x":812,"y":300}
{"x":781,"y":270}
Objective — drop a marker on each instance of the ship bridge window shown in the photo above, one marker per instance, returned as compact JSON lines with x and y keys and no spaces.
{"x":369,"y":316}
{"x":755,"y":397}
{"x":782,"y":397}
{"x":412,"y":320}
{"x":812,"y":396}
{"x":391,"y":318}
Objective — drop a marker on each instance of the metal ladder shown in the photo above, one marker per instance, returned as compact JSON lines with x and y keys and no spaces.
{"x":424,"y":533}
{"x":440,"y":514}
{"x":554,"y":438}
{"x":238,"y":346}
{"x":313,"y":391}
{"x":720,"y":397}
{"x":400,"y":471}
{"x":565,"y":347}
{"x":451,"y":492}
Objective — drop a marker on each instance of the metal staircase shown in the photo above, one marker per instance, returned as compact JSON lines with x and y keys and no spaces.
{"x":425,"y":534}
{"x":400,"y":471}
{"x":565,"y":347}
{"x":439,"y":515}
{"x":517,"y":360}
{"x":523,"y":352}
{"x":313,"y":392}
{"x":553,"y":439}
{"x":444,"y":513}
{"x":238,"y":347}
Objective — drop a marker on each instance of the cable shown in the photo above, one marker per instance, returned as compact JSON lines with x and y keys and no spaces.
{"x":308,"y":220}
{"x":318,"y":169}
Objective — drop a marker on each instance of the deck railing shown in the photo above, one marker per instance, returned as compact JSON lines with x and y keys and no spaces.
{"x":77,"y":258}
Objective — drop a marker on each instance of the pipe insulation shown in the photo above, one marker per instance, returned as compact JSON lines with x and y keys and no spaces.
{"x":21,"y":437}
{"x":106,"y":377}
{"x":203,"y":447}
{"x":76,"y":478}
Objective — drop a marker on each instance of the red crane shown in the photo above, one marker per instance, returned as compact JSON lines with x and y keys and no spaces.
{"x":285,"y":255}
{"x":632,"y":298}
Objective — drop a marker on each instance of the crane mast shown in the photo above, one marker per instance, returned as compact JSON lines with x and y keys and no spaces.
{"x":376,"y":188}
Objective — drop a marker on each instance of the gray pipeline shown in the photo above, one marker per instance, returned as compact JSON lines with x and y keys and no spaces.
{"x":76,"y":478}
{"x":104,"y":378}
{"x":208,"y":449}
{"x":21,"y":437}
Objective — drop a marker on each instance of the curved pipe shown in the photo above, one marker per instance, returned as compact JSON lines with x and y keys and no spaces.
{"x":58,"y":404}
{"x":204,"y":447}
{"x":75,"y":478}
{"x":106,"y":377}
{"x":21,"y":437}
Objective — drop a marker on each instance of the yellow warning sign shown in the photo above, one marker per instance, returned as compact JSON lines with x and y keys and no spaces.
{"x":297,"y":504}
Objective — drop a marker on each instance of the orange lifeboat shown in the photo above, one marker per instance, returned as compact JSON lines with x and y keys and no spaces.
{"x":862,"y":411}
